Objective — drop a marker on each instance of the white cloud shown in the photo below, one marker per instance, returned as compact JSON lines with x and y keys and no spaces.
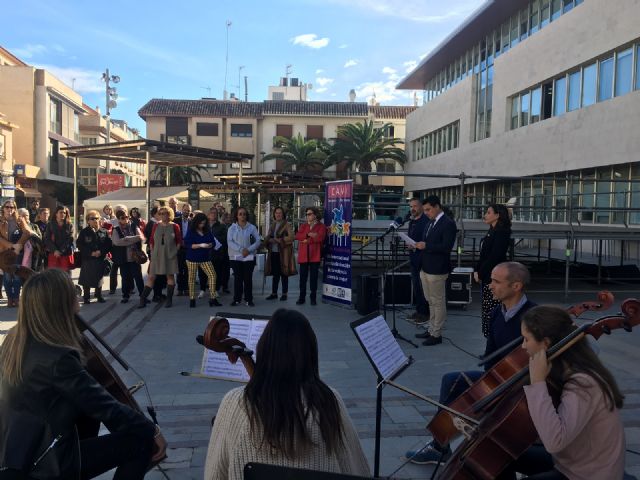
{"x":29,"y":50}
{"x":324,"y":81}
{"x":321,"y":89}
{"x":410,"y":65}
{"x":319,"y":71}
{"x":350,"y":63}
{"x":388,"y":70}
{"x":384,"y":91}
{"x":344,"y":45}
{"x":422,"y":11}
{"x":310,"y":40}
{"x":82,"y":80}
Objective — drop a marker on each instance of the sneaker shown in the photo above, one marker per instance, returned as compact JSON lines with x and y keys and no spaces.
{"x":428,"y":455}
{"x":235,"y":304}
{"x":201,"y":294}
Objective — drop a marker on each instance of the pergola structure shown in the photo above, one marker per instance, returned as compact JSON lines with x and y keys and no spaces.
{"x":148,"y":152}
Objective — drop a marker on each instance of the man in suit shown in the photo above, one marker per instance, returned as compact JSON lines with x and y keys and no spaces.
{"x":417,"y":226}
{"x":183,"y":222}
{"x":438,"y":240}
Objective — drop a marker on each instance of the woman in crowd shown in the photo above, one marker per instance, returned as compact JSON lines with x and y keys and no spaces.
{"x":44,"y":384}
{"x":43,"y":219}
{"x":29,"y":252}
{"x":243,"y":241}
{"x":14,"y":234}
{"x":310,"y":238}
{"x":94,"y":244}
{"x":280,"y":262}
{"x":574,"y":403}
{"x":127,"y":239}
{"x":107,"y":214}
{"x":136,"y":219}
{"x":286,"y":415}
{"x":165,"y":240}
{"x":58,"y":240}
{"x":493,"y":250}
{"x":199,"y":242}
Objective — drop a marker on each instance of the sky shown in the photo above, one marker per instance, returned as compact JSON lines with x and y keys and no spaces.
{"x":162,"y":49}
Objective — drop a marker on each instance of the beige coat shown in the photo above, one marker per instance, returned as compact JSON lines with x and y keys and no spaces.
{"x":287,"y":260}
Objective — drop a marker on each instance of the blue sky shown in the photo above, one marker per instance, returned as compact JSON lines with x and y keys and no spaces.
{"x":166,"y":49}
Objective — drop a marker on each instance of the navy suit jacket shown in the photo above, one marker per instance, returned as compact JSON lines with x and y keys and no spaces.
{"x":439,"y":240}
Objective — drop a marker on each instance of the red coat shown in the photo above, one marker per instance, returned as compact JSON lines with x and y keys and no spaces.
{"x":310,"y":251}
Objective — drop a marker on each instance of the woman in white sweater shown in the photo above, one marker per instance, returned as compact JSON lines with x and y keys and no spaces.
{"x":286,"y":415}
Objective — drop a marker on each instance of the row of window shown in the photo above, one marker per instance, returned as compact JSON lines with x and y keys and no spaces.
{"x":536,"y":15}
{"x":438,"y":141}
{"x":178,"y":127}
{"x":611,"y":76}
{"x":603,"y":195}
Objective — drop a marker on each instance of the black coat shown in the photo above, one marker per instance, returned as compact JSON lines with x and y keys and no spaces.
{"x":439,"y":240}
{"x":493,"y":250}
{"x":58,"y":237}
{"x":92,"y":269}
{"x":57,"y":390}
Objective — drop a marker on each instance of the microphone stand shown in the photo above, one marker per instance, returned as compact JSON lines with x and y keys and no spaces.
{"x":394,"y":261}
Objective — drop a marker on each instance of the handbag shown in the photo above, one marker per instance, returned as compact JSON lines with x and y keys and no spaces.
{"x":139,"y":256}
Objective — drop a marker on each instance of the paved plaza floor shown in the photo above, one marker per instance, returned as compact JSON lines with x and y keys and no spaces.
{"x":160,"y":342}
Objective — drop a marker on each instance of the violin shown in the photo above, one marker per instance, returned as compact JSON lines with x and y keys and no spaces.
{"x":507,"y":431}
{"x":100,"y":369}
{"x":216,"y":338}
{"x":445,"y":428}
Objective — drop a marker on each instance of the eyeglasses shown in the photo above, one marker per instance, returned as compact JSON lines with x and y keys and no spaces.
{"x":9,"y":207}
{"x":123,"y":217}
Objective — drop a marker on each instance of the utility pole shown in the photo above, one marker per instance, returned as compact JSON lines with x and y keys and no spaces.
{"x":225,"y":94}
{"x":111,"y":96}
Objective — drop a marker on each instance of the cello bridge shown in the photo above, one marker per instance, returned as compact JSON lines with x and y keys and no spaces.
{"x":463,"y":427}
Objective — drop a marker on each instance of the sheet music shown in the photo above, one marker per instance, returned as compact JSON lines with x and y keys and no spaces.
{"x":407,"y":239}
{"x":383,"y":349}
{"x":217,"y":365}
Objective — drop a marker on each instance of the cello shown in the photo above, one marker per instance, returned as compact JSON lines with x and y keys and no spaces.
{"x":507,"y":431}
{"x":445,"y":426}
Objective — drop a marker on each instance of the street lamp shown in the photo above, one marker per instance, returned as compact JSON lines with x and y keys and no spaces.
{"x":111,"y":95}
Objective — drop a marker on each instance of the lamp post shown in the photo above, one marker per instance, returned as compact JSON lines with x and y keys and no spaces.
{"x":111,"y":96}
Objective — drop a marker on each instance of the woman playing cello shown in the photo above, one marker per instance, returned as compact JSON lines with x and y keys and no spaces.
{"x":574,"y":403}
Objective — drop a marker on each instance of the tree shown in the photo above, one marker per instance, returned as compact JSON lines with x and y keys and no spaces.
{"x":64,"y":193}
{"x":305,"y":155}
{"x":360,"y":145}
{"x":181,"y":175}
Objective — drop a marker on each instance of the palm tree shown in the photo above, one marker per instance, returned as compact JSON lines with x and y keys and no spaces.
{"x":181,"y":175}
{"x":305,"y":155}
{"x":360,"y":145}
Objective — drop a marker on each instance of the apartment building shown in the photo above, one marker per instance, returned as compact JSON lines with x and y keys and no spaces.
{"x":534,"y":88}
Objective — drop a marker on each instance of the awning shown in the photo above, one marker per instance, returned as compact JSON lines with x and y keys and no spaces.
{"x":29,"y":192}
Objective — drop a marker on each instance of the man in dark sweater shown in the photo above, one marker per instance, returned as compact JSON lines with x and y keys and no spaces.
{"x":417,"y":227}
{"x":508,"y":281}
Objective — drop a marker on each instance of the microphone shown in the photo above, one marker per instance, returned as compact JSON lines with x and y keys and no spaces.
{"x":396,"y":224}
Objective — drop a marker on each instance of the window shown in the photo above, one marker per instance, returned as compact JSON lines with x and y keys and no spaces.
{"x":560,"y":96}
{"x":605,"y":90}
{"x":53,"y":157}
{"x":567,"y":5}
{"x":638,"y":67}
{"x":278,"y":96}
{"x":177,"y":139}
{"x":624,"y":69}
{"x":535,"y":16}
{"x":315,"y":132}
{"x":556,"y":9}
{"x":536,"y":98}
{"x":547,"y":100}
{"x":241,"y":130}
{"x":55,"y":116}
{"x":589,"y":83}
{"x":514,"y":30}
{"x":177,"y":126}
{"x":524,"y":109}
{"x":88,"y":140}
{"x":524,"y":23}
{"x":574,"y":91}
{"x":515,"y":102}
{"x":76,"y":127}
{"x":206,"y":129}
{"x":387,"y":166}
{"x":544,"y":13}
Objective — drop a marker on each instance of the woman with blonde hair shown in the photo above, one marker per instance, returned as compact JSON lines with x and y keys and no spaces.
{"x":58,"y":240}
{"x":45,"y":387}
{"x":94,"y":244}
{"x":164,"y":242}
{"x":14,"y":233}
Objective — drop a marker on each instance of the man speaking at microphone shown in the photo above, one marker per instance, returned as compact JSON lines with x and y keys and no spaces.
{"x":417,"y":226}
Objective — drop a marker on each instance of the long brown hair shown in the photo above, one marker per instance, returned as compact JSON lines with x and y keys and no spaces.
{"x":285,"y":389}
{"x":554,"y":323}
{"x":46,"y":314}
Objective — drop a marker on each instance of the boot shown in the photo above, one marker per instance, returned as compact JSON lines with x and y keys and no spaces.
{"x":169,"y":302}
{"x":99,"y":295}
{"x":143,"y":296}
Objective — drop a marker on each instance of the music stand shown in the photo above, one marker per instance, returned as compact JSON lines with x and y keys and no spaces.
{"x":263,"y":471}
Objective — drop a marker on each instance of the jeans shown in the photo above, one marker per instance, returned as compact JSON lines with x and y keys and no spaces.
{"x":131,"y":272}
{"x":536,"y":463}
{"x":309,"y":270}
{"x":242,"y":280}
{"x":124,"y":450}
{"x":12,"y":285}
{"x":276,"y":271}
{"x":418,"y":293}
{"x":453,"y":384}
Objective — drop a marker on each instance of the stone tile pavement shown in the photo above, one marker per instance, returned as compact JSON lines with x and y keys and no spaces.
{"x":159,"y":343}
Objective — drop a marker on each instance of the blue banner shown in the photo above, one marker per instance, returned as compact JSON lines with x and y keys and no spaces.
{"x":338,"y":214}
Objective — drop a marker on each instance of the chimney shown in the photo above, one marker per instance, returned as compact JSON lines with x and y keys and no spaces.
{"x":352,"y":95}
{"x":97,"y":109}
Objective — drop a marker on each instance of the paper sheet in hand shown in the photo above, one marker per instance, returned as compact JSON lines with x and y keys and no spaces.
{"x":217,"y":365}
{"x":383,"y":350}
{"x":249,"y":258}
{"x":407,"y":239}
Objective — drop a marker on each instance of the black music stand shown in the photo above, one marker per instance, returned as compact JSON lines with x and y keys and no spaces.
{"x":263,"y":471}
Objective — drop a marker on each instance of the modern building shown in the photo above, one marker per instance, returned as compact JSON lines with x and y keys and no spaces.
{"x":544,"y":91}
{"x":289,"y":89}
{"x":6,"y":156}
